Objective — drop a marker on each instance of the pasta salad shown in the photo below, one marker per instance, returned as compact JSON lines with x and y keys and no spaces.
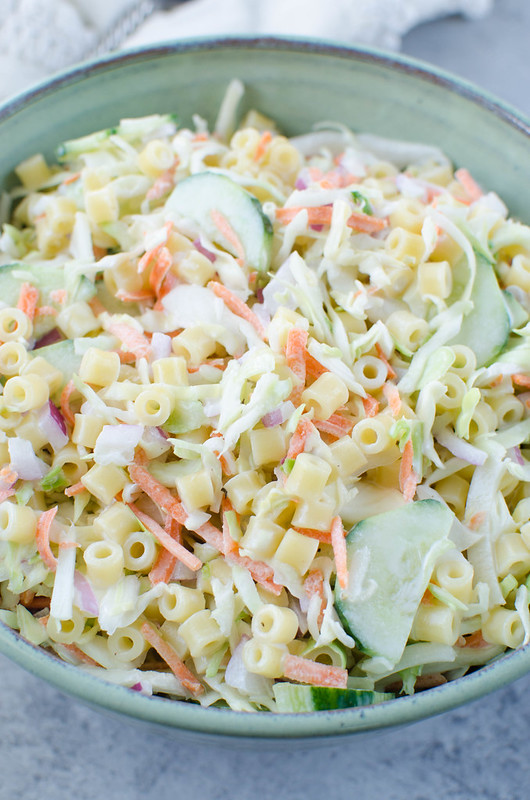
{"x":264,"y":413}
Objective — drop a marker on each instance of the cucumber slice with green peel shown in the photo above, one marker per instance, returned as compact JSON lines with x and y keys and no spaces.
{"x":390,"y":560}
{"x":203,"y":196}
{"x":296,"y":698}
{"x":62,"y":356}
{"x":485,"y":329}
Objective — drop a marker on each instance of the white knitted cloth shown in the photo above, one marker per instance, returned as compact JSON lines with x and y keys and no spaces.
{"x":39,"y":37}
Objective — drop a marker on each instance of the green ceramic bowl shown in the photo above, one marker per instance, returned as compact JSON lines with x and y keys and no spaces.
{"x":297,"y":83}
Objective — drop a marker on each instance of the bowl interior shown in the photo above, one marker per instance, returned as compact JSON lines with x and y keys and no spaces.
{"x":296,"y":83}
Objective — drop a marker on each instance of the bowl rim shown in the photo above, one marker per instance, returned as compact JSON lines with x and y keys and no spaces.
{"x":192,"y":718}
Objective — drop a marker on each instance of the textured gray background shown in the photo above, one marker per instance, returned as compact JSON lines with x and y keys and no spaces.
{"x":53,"y":748}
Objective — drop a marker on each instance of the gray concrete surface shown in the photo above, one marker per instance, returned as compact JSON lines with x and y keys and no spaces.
{"x":53,"y":748}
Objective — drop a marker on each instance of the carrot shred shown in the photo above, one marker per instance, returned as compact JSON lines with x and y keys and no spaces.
{"x":66,"y":411}
{"x":322,"y":215}
{"x":314,"y":585}
{"x":28,"y":299}
{"x":159,"y":270}
{"x":42,"y":538}
{"x":229,"y":544}
{"x":75,"y":488}
{"x":313,"y":533}
{"x":299,"y":437}
{"x":314,"y":369}
{"x":167,"y":542}
{"x":158,"y":493}
{"x":408,"y":480}
{"x":224,"y":227}
{"x":476,"y":520}
{"x":78,"y":653}
{"x":163,"y":184}
{"x":390,"y":371}
{"x":165,"y":561}
{"x":370,"y":405}
{"x":471,"y":187}
{"x":59,"y":296}
{"x":338,"y":542}
{"x":8,"y":477}
{"x":295,"y":350}
{"x":134,"y":297}
{"x":168,"y":654}
{"x":520,"y":379}
{"x":304,"y":670}
{"x":364,"y":223}
{"x":263,"y":144}
{"x":151,"y":254}
{"x":45,"y":311}
{"x":135,"y":341}
{"x":71,"y":178}
{"x":393,"y":398}
{"x":335,"y":425}
{"x":237,"y":306}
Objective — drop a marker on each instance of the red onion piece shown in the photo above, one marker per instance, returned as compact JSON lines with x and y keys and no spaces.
{"x":208,"y":253}
{"x":516,"y":455}
{"x":86,"y":599}
{"x":317,"y":228}
{"x":273,"y":418}
{"x":137,"y":687}
{"x":52,"y":425}
{"x":461,"y":449}
{"x":300,"y":184}
{"x":52,"y":337}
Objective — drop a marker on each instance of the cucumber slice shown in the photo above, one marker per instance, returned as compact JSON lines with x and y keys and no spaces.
{"x":293,"y":697}
{"x":390,"y":561}
{"x":62,"y":356}
{"x":198,"y":196}
{"x":487,"y":326}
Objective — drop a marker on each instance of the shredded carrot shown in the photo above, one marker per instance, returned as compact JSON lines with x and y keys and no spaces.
{"x":97,"y":306}
{"x":408,"y":480}
{"x":76,"y":488}
{"x":476,"y":520}
{"x":167,"y":542}
{"x":169,"y":282}
{"x":261,"y":572}
{"x":168,"y":654}
{"x":28,"y":299}
{"x":218,"y":363}
{"x":59,"y":296}
{"x":165,"y":561}
{"x":295,"y":351}
{"x":313,"y":533}
{"x":393,"y":398}
{"x":132,"y":339}
{"x":237,"y":306}
{"x":42,"y":538}
{"x":151,"y":254}
{"x":370,"y":405}
{"x":163,"y":184}
{"x":322,"y":215}
{"x":134,"y":297}
{"x":520,"y":379}
{"x":8,"y":477}
{"x":335,"y":425}
{"x":314,"y":369}
{"x":162,"y":265}
{"x":66,"y":394}
{"x":471,"y":187}
{"x":304,"y":670}
{"x":71,"y":178}
{"x":299,"y":437}
{"x":224,"y":227}
{"x":390,"y":371}
{"x":314,"y":585}
{"x":76,"y":651}
{"x":263,"y":144}
{"x":158,"y":493}
{"x":45,"y":311}
{"x":338,"y":542}
{"x":229,"y":545}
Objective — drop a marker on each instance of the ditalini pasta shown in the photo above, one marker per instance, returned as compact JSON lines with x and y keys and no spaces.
{"x":264,"y":413}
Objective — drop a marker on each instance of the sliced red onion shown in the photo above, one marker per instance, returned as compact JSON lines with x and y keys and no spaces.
{"x":208,"y":253}
{"x":461,"y":449}
{"x":259,"y":294}
{"x":273,"y":418}
{"x":137,"y":687}
{"x":52,"y":425}
{"x":317,"y":228}
{"x":116,"y":443}
{"x":516,"y":455}
{"x":52,"y":337}
{"x":26,"y":464}
{"x":160,"y":345}
{"x":300,"y":184}
{"x":85,"y":598}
